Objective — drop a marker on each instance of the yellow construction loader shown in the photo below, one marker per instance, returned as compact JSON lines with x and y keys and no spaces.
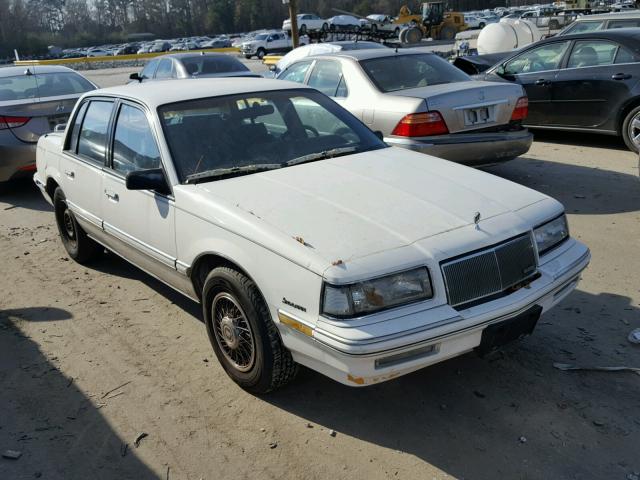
{"x":433,"y":20}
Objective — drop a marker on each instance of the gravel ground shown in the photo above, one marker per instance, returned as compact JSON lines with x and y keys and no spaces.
{"x":93,"y":357}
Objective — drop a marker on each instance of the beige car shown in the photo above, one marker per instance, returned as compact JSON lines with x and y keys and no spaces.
{"x":419,"y":101}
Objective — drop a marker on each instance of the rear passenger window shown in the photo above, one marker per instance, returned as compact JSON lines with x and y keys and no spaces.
{"x":93,"y":135}
{"x":134,"y":147}
{"x":72,"y":146}
{"x":591,"y":53}
{"x":624,"y":56}
{"x":326,"y":77}
{"x":629,"y":23}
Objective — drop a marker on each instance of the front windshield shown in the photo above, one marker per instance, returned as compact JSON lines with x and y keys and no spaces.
{"x":402,"y":72}
{"x":262,"y":36}
{"x":221,"y":136}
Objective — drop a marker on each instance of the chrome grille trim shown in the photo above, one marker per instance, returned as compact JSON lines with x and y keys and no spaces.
{"x":489,"y":271}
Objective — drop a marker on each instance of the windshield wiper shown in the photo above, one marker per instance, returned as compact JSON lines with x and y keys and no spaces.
{"x":312,"y":157}
{"x":231,"y":171}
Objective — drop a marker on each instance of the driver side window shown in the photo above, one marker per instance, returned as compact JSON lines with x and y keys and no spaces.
{"x":296,"y":72}
{"x":546,"y":57}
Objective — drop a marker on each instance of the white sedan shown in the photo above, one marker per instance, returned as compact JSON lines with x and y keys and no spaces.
{"x":306,"y":239}
{"x":346,"y":22}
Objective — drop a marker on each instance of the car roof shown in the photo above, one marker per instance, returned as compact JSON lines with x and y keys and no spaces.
{"x":154,"y":94}
{"x":20,"y":69}
{"x":182,"y":56}
{"x":366,"y":54}
{"x":615,"y":34}
{"x":609,"y":16}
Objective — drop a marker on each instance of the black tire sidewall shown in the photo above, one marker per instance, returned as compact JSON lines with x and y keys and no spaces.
{"x":226,"y":280}
{"x":60,"y":205}
{"x":625,"y":129}
{"x":261,"y":53}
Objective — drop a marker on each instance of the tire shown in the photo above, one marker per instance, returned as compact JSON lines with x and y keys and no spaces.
{"x":554,"y":25}
{"x":261,"y":53}
{"x":302,"y":30}
{"x":631,"y":129}
{"x":242,"y":334}
{"x":396,"y":33}
{"x":248,"y":57}
{"x":374,"y":29}
{"x":447,"y":33}
{"x":481,"y":25}
{"x":325,"y":27}
{"x":78,"y":245}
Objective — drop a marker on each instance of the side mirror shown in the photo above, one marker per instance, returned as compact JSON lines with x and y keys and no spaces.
{"x":136,"y":76}
{"x":152,"y":179}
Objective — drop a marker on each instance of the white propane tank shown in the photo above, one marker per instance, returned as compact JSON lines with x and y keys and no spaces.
{"x":506,"y":35}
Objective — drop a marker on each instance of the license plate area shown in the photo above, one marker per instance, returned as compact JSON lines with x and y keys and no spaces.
{"x":499,"y":334}
{"x":478,"y":116}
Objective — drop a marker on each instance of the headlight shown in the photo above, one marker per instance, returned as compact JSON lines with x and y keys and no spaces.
{"x":551,"y":234}
{"x":377,"y":294}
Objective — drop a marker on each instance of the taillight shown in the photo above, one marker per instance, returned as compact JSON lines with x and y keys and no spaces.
{"x":522,"y":109}
{"x":421,"y":125}
{"x":12,"y":122}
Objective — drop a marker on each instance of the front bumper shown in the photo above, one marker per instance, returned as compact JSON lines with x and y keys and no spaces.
{"x":248,"y":50}
{"x":373,"y":353}
{"x":472,"y":149}
{"x":17,"y":161}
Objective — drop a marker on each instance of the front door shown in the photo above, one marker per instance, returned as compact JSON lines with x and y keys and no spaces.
{"x":142,"y":221}
{"x":536,"y":70}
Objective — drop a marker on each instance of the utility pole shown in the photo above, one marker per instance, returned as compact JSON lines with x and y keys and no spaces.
{"x":293,"y":15}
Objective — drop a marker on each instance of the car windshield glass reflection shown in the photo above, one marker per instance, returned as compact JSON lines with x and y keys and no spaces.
{"x":240,"y":134}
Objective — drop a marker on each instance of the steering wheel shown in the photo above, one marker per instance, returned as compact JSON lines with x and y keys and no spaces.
{"x":311,"y":129}
{"x":347,"y":134}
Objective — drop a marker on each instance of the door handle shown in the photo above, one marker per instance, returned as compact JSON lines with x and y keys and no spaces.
{"x":70,"y":173}
{"x":112,"y":196}
{"x":543,"y":82}
{"x":620,"y":76}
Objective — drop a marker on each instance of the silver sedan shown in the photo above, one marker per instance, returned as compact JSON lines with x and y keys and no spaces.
{"x":33,"y":100}
{"x":419,"y":101}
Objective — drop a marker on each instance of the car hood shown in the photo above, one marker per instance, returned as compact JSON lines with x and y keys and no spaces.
{"x":359,"y":205}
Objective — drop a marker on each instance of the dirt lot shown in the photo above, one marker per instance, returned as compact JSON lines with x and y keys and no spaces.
{"x":90,"y":358}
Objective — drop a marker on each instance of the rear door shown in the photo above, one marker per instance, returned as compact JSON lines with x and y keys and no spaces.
{"x":83,"y":159}
{"x":596,"y":82}
{"x":142,"y":220}
{"x":536,"y":70}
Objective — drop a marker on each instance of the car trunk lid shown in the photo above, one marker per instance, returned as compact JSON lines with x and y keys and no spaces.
{"x":43,"y":116}
{"x":468,"y":106}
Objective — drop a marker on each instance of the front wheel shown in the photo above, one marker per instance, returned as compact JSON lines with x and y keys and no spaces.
{"x":261,"y":53}
{"x":248,"y":57}
{"x":78,"y":245}
{"x":242,"y":334}
{"x":481,"y":25}
{"x":303,"y":30}
{"x":631,"y":130}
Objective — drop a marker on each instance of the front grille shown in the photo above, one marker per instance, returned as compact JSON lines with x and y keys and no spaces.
{"x":489,"y":271}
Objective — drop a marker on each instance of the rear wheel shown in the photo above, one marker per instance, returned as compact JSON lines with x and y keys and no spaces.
{"x":631,"y":130}
{"x":242,"y":334}
{"x":75,"y":240}
{"x":303,"y":30}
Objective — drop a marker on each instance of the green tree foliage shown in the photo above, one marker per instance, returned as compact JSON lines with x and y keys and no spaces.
{"x":31,"y":25}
